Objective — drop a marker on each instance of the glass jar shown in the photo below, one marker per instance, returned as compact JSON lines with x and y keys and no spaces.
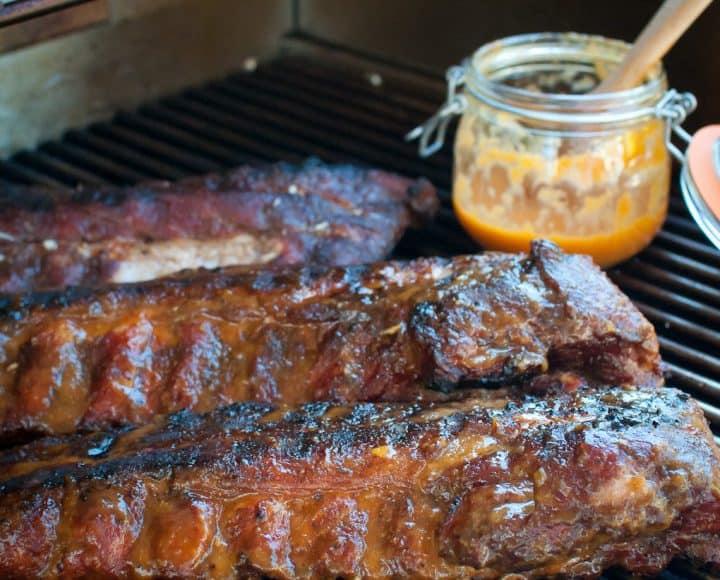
{"x":537,"y":155}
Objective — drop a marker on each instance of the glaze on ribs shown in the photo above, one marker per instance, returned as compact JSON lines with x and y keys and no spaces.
{"x":480,"y":488}
{"x":386,"y":331}
{"x":263,"y":214}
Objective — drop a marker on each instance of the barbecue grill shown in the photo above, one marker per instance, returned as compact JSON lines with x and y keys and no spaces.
{"x":315,"y":100}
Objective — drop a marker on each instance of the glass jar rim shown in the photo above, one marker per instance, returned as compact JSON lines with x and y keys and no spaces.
{"x":533,"y":48}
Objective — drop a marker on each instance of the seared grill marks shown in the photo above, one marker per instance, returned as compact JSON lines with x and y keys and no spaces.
{"x":381,"y":332}
{"x":270,"y":214}
{"x":482,"y":488}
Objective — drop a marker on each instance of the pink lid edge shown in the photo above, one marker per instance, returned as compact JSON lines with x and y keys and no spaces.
{"x":701,"y":167}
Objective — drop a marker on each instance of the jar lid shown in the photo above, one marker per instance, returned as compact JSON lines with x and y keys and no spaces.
{"x":700,"y":181}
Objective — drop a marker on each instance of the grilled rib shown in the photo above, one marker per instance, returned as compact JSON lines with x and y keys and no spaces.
{"x":266,"y":214}
{"x":480,"y":488}
{"x":376,"y":332}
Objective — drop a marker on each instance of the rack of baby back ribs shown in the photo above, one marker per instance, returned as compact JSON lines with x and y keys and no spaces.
{"x":310,"y":411}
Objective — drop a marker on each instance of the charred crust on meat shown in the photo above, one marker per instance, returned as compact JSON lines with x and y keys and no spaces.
{"x":482,"y":478}
{"x":432,"y":329}
{"x":275,"y":209}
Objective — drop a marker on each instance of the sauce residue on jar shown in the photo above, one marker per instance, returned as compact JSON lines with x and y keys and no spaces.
{"x":599,"y":193}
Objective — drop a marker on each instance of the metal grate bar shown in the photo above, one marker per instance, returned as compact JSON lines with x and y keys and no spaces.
{"x":684,"y":264}
{"x":632,"y":286}
{"x":236,"y":145}
{"x":65,"y":172}
{"x":155,"y":145}
{"x":678,"y":323}
{"x":684,"y":226}
{"x":95,"y":163}
{"x":357,"y":126}
{"x":689,"y":286}
{"x":208,"y":107}
{"x":679,"y":243}
{"x":211,"y":155}
{"x":327,"y":137}
{"x":365,"y":108}
{"x":15,"y":171}
{"x":125,"y":156}
{"x":695,"y":381}
{"x":699,"y":359}
{"x":711,"y":412}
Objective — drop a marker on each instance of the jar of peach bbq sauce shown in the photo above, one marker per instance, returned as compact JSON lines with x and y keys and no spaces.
{"x":539,"y":156}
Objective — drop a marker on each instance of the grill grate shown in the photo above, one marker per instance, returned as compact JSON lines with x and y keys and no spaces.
{"x":294,"y":107}
{"x":297,"y":106}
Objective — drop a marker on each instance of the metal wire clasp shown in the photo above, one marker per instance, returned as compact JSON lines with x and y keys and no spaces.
{"x":674,"y":107}
{"x":435,"y":127}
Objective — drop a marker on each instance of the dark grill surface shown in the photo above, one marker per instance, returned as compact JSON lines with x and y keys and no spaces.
{"x":344,"y":108}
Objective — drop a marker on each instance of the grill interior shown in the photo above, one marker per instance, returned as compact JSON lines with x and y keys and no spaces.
{"x":341,"y":107}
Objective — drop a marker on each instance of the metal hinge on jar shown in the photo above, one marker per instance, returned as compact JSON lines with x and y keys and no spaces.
{"x":674,"y":107}
{"x":432,"y":132}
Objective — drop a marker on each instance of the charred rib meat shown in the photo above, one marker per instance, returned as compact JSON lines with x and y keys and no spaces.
{"x":479,"y":488}
{"x":271,"y":214}
{"x":378,"y":332}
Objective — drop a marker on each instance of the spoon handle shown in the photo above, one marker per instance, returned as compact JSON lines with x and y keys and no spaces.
{"x":667,"y":25}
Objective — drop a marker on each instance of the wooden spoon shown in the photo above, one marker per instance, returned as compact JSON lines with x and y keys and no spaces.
{"x":667,"y":25}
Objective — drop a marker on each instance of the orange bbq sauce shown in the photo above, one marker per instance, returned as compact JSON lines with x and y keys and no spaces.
{"x":604,"y":195}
